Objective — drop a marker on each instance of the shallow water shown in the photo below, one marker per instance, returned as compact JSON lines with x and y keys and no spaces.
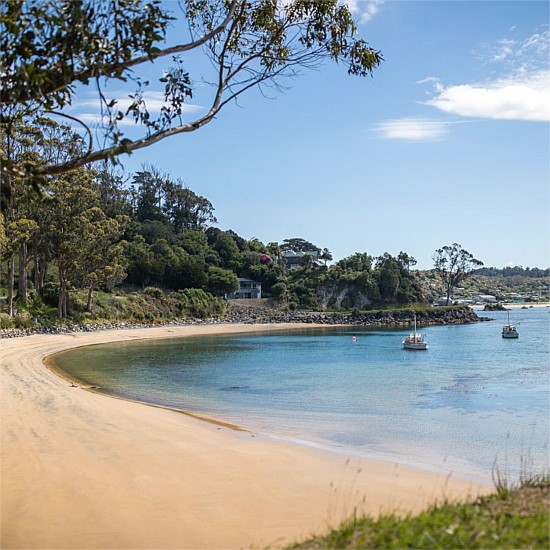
{"x":471,"y":400}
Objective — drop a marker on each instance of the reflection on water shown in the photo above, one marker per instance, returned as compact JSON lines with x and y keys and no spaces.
{"x":473,"y":397}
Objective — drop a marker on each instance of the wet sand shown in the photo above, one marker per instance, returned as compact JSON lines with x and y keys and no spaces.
{"x":83,"y":470}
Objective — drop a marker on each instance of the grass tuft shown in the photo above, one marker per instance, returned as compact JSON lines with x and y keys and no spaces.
{"x":516,"y":516}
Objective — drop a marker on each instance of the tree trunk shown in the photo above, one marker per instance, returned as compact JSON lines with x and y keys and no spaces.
{"x":449,"y":288}
{"x":11,"y":283}
{"x":62,"y":301}
{"x":41,"y":269}
{"x":22,"y":288}
{"x":37,"y":274}
{"x":89,"y":304}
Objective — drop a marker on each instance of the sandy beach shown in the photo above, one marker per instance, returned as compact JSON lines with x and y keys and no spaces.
{"x":83,"y":470}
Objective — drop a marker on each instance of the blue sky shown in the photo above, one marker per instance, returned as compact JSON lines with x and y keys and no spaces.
{"x":448,"y":142}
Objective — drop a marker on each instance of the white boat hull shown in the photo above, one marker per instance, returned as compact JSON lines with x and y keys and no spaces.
{"x":417,"y":345}
{"x":510,"y":331}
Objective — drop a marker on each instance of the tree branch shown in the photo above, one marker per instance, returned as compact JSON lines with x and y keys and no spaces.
{"x":78,"y":121}
{"x":85,"y":75}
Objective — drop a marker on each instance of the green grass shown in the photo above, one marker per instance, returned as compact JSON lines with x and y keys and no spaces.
{"x":515,"y":518}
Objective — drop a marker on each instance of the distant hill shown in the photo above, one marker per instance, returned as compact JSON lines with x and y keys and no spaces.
{"x":533,"y":272}
{"x":511,"y":284}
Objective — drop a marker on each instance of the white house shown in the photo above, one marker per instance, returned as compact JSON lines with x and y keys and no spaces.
{"x":248,"y":289}
{"x":293,"y":260}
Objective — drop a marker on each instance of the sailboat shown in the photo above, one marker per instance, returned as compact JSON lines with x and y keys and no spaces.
{"x":509,"y":330}
{"x":415,"y":340}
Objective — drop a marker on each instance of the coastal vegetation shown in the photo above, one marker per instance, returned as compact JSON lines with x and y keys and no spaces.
{"x":513,"y":517}
{"x":100,"y":245}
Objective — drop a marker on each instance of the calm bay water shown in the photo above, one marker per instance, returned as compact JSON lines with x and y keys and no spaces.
{"x":472,"y":399}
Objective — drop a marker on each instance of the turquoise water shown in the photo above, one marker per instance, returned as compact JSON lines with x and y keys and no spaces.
{"x":472,"y":399}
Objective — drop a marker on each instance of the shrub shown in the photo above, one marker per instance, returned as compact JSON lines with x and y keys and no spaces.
{"x":22,"y":321}
{"x":6,"y":321}
{"x":154,"y":291}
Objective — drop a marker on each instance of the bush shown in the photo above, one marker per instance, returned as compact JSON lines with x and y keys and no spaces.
{"x":154,"y":291}
{"x":195,"y":302}
{"x":22,"y":321}
{"x":6,"y":321}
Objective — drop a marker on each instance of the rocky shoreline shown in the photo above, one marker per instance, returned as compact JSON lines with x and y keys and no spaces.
{"x":248,"y":315}
{"x":399,"y":318}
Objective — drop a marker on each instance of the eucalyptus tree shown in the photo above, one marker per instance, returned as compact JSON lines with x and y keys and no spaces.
{"x":148,"y":184}
{"x":51,"y":49}
{"x":16,"y":201}
{"x":159,"y":198}
{"x":185,"y":209}
{"x":454,"y":264}
{"x":84,"y":242}
{"x":100,"y":265}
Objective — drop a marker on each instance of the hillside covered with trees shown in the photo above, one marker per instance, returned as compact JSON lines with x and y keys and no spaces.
{"x":95,"y":243}
{"x":97,"y":229}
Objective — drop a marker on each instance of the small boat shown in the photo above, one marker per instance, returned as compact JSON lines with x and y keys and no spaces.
{"x":509,"y":330}
{"x":415,"y":340}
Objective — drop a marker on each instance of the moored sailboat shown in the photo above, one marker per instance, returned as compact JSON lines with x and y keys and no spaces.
{"x":509,"y":330}
{"x":415,"y":340}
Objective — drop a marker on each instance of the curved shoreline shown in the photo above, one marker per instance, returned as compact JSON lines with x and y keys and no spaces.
{"x":75,"y":382}
{"x":80,"y":469}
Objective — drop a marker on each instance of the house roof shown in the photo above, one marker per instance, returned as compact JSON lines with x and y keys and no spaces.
{"x":294,"y":254}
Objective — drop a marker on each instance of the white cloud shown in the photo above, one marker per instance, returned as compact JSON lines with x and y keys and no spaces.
{"x":523,"y":98}
{"x":522,"y":92}
{"x":413,"y":129}
{"x":364,"y":10}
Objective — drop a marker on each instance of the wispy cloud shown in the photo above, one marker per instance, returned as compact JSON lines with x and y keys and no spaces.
{"x":523,"y":93}
{"x":413,"y":129}
{"x":517,"y":56}
{"x":364,"y":10}
{"x":153,"y":100}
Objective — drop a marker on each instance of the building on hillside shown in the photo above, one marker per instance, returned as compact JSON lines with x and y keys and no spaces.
{"x":486,"y":298}
{"x":294,"y":260}
{"x":248,"y":289}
